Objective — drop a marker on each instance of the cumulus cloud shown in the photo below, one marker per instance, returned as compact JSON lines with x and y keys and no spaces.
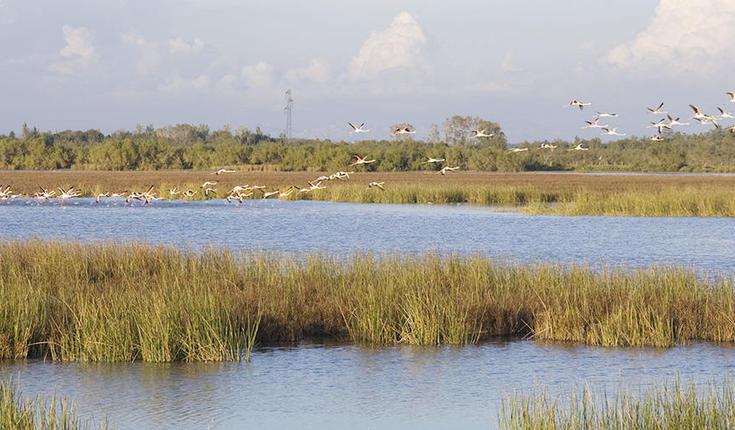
{"x":258,"y":76}
{"x":317,"y":71}
{"x":682,"y":36}
{"x":177,"y":84}
{"x":149,"y":53}
{"x":181,"y":46}
{"x":78,"y":53}
{"x":397,"y":47}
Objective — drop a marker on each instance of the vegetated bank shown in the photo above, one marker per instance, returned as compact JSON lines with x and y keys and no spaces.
{"x":114,"y":302}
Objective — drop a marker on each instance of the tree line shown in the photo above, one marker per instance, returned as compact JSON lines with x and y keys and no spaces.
{"x":187,"y":146}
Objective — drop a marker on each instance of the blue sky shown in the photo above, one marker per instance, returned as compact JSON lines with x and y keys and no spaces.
{"x":112,"y":64}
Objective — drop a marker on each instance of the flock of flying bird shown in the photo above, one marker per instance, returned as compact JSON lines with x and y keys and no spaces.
{"x":666,"y":123}
{"x":242,"y":192}
{"x":238,"y":193}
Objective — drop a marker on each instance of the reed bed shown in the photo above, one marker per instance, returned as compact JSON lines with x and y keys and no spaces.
{"x":113,"y":302}
{"x":666,"y":202}
{"x":17,"y":413}
{"x":662,"y":406}
{"x":569,"y":194}
{"x":671,"y":201}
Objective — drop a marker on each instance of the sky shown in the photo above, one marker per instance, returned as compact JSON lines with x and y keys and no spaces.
{"x":113,"y":64}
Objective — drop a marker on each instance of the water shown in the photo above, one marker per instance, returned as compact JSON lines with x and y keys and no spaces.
{"x":708,"y":243}
{"x":347,"y":386}
{"x":336,"y":387}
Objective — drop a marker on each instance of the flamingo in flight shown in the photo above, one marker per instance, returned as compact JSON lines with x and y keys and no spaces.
{"x":221,"y":171}
{"x":657,"y":110}
{"x":362,"y":160}
{"x":377,"y":184}
{"x":356,"y":129}
{"x":482,"y":133}
{"x":577,"y":103}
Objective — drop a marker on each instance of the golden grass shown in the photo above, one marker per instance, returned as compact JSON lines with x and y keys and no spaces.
{"x":109,"y":302}
{"x":567,"y":194}
{"x":662,"y":406}
{"x":28,"y":181}
{"x":18,"y":413}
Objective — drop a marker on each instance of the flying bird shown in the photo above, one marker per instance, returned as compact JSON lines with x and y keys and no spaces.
{"x":447,"y":169}
{"x":403,"y":130}
{"x":673,"y":122}
{"x":725,"y":114}
{"x":594,"y":124}
{"x":433,"y":160}
{"x":376,"y":184}
{"x":221,"y":171}
{"x":605,"y":114}
{"x":658,"y":110}
{"x":481,"y":133}
{"x":577,"y":103}
{"x":361,"y":161}
{"x":356,"y":129}
{"x":612,"y":132}
{"x":660,"y":125}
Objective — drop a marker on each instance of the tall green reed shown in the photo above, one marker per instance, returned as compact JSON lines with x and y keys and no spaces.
{"x":114,"y":302}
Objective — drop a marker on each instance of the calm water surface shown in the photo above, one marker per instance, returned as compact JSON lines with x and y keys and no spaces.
{"x":299,"y":226}
{"x":338,"y":386}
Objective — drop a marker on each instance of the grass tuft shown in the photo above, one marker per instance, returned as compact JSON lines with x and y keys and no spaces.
{"x":664,"y":406}
{"x":113,"y":302}
{"x":18,"y":413}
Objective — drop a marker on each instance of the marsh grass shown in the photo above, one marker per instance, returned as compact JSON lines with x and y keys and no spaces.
{"x":687,"y":201}
{"x":17,"y":413}
{"x":112,"y":302}
{"x":665,"y":202}
{"x":568,"y":194}
{"x":703,"y":202}
{"x":662,"y":406}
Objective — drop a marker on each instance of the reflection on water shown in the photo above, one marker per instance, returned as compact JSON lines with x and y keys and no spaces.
{"x":317,"y":386}
{"x":339,"y":227}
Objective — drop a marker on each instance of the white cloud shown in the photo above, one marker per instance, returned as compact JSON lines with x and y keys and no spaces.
{"x":150,"y":57}
{"x":682,"y":36}
{"x":397,"y":47}
{"x":258,"y":76}
{"x":78,"y":43}
{"x":78,"y":53}
{"x":177,"y":84}
{"x":179,"y":45}
{"x":318,"y":71}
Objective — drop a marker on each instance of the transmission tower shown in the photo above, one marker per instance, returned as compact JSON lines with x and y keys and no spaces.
{"x":289,"y":112}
